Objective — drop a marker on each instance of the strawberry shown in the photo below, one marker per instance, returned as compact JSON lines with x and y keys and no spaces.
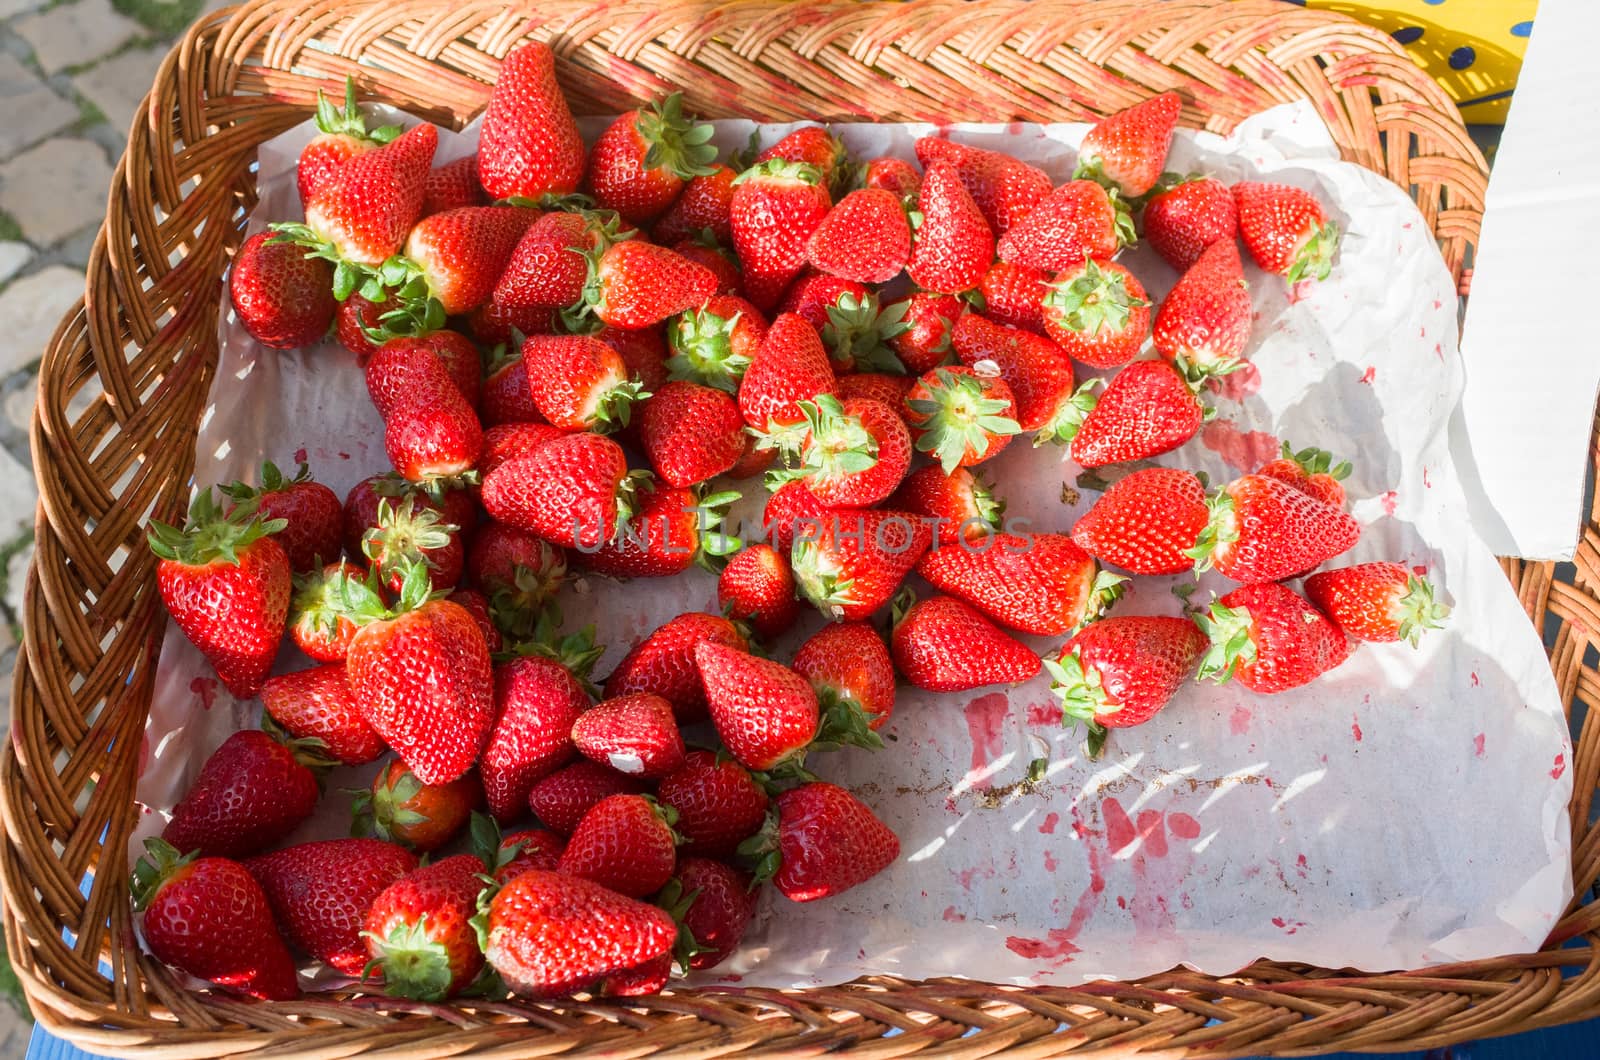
{"x":226,"y":584}
{"x":1263,"y":530}
{"x":458,"y":256}
{"x":341,"y":136}
{"x":703,"y":206}
{"x":961,"y":416}
{"x":1125,"y":151}
{"x":641,"y":163}
{"x":549,"y":934}
{"x":1147,"y":522}
{"x":1035,"y":368}
{"x":507,"y":397}
{"x":643,"y":352}
{"x":1013,"y":295}
{"x":283,"y":297}
{"x":671,"y":530}
{"x":476,"y":604}
{"x":757,"y":588}
{"x":315,"y":704}
{"x":311,"y":512}
{"x":574,"y":490}
{"x":529,"y":145}
{"x":663,"y":663}
{"x":1099,"y":313}
{"x":790,"y":366}
{"x":814,"y":146}
{"x":714,"y":344}
{"x":887,"y":389}
{"x":320,"y":893}
{"x":250,"y":793}
{"x":1147,"y":409}
{"x":953,"y":244}
{"x":519,"y":573}
{"x":423,"y":680}
{"x":857,"y":333}
{"x":624,"y":842}
{"x":579,"y":383}
{"x":634,"y":734}
{"x":717,"y":260}
{"x":812,"y":295}
{"x":1036,"y":583}
{"x":409,"y":535}
{"x":1311,"y":471}
{"x":1286,"y":230}
{"x":561,"y":799}
{"x":790,"y":512}
{"x":894,"y":175}
{"x":691,"y":433}
{"x":1121,"y":670}
{"x":549,"y":267}
{"x":754,"y":460}
{"x":854,"y":453}
{"x":944,"y":645}
{"x":1377,"y":602}
{"x":850,"y":562}
{"x":641,"y":980}
{"x":764,"y":712}
{"x":537,"y":700}
{"x":510,"y":441}
{"x":1270,"y":639}
{"x":825,"y":842}
{"x":455,"y":506}
{"x":776,"y":206}
{"x":435,"y":436}
{"x":1205,"y":321}
{"x":399,"y":808}
{"x":530,"y":848}
{"x":958,"y":506}
{"x":851,"y":672}
{"x":930,"y":320}
{"x":209,"y":918}
{"x":718,"y":803}
{"x":1183,"y":220}
{"x":419,"y":930}
{"x":639,"y":285}
{"x":864,"y":237}
{"x":403,"y":369}
{"x":1005,"y":189}
{"x":1078,"y":220}
{"x":714,"y":903}
{"x":453,"y":186}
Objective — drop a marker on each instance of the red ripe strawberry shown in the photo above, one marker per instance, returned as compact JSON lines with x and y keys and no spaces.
{"x":529,"y":146}
{"x":453,"y":186}
{"x":1183,"y":220}
{"x":714,"y":903}
{"x":691,"y":433}
{"x":811,"y":145}
{"x":776,"y":206}
{"x":626,"y":843}
{"x":1286,"y":230}
{"x":1078,"y":220}
{"x":460,"y":254}
{"x":227,"y":586}
{"x":814,"y":294}
{"x":1121,"y":670}
{"x":663,"y":663}
{"x":827,"y":841}
{"x":1035,"y":368}
{"x":419,"y":930}
{"x":944,"y":645}
{"x":959,"y":506}
{"x":642,"y":161}
{"x":410,"y":535}
{"x":549,"y":934}
{"x":854,"y":453}
{"x":518,"y":572}
{"x":1205,"y":320}
{"x":718,"y":803}
{"x":423,"y":680}
{"x":403,"y":368}
{"x":671,"y":529}
{"x":953,"y":244}
{"x":643,"y":352}
{"x":435,"y":436}
{"x":1147,"y":522}
{"x":717,"y":261}
{"x":455,"y":506}
{"x":714,"y":344}
{"x":399,"y":808}
{"x":537,"y":700}
{"x":341,"y":136}
{"x":507,"y":398}
{"x":634,"y":734}
{"x":361,"y":215}
{"x":791,"y":512}
{"x":865,"y":237}
{"x":250,"y":793}
{"x":530,"y":848}
{"x":283,"y":297}
{"x":1264,"y":530}
{"x":1005,"y":189}
{"x":1270,"y":639}
{"x":508,"y":441}
{"x":642,"y":980}
{"x":638,"y":285}
{"x":562,"y":799}
{"x":1014,"y":295}
{"x":1147,"y":409}
{"x":570,"y":491}
{"x":1377,"y":602}
{"x":208,"y":917}
{"x":1099,"y":313}
{"x":930,"y":320}
{"x":790,"y":366}
{"x":321,"y":622}
{"x":960,"y":416}
{"x":320,"y":894}
{"x":894,"y":175}
{"x":578,"y":383}
{"x":316,"y":704}
{"x":311,"y":511}
{"x":753,"y":461}
{"x":876,"y":386}
{"x":764,"y":712}
{"x":701,"y":207}
{"x":549,"y":266}
{"x":1126,"y":150}
{"x":850,"y":563}
{"x":476,"y":604}
{"x":1039,"y":583}
{"x":1311,"y":471}
{"x":353,"y":319}
{"x":757,"y":588}
{"x":849,"y":668}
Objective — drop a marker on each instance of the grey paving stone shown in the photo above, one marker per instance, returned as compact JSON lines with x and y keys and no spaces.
{"x":30,"y":309}
{"x":32,"y":111}
{"x":19,"y":405}
{"x":55,"y":189}
{"x":10,"y":8}
{"x":74,"y":34}
{"x":16,"y":583}
{"x":117,"y":85}
{"x":14,"y":257}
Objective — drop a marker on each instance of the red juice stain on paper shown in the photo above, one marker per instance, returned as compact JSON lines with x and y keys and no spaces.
{"x":1237,"y":385}
{"x":1299,"y":291}
{"x":1120,"y":832}
{"x":1183,"y":826}
{"x":985,"y":717}
{"x":1045,"y":714}
{"x":1560,"y":767}
{"x":1477,"y":746}
{"x":1244,"y":450}
{"x":1057,"y":946}
{"x":1369,"y":375}
{"x":1289,"y":926}
{"x":1048,"y":825}
{"x":1387,"y":502}
{"x":1300,"y":866}
{"x":1122,"y":903}
{"x":300,"y":455}
{"x":1425,"y":481}
{"x":1050,"y":862}
{"x":966,"y":876}
{"x":952,"y":916}
{"x":206,"y":689}
{"x":1151,"y":834}
{"x":1239,"y":721}
{"x":1355,"y":729}
{"x":1475,"y":681}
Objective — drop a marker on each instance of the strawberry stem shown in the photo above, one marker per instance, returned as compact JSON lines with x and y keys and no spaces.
{"x":680,"y":146}
{"x":210,"y":534}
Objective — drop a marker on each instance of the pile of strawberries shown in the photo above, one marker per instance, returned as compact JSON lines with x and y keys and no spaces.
{"x":567,"y":347}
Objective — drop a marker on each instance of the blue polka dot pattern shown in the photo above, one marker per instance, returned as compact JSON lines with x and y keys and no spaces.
{"x":1462,"y":58}
{"x":1408,"y":34}
{"x":1522,"y":29}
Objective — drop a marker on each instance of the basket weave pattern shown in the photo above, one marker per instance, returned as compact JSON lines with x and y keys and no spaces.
{"x":125,"y":380}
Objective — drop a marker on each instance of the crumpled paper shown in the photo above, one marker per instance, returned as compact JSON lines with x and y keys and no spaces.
{"x":1407,"y":809}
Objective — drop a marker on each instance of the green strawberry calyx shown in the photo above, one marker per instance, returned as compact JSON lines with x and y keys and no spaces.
{"x":675,"y":143}
{"x":702,"y":350}
{"x":1093,"y":300}
{"x":836,"y":445}
{"x":405,"y":534}
{"x":957,"y":418}
{"x":1064,"y":425}
{"x":1416,"y":610}
{"x":857,"y":333}
{"x":605,"y":230}
{"x":309,"y":751}
{"x":414,"y":964}
{"x":677,"y":904}
{"x":516,"y":606}
{"x":1106,"y":589}
{"x":761,"y":853}
{"x":350,"y":121}
{"x":780,"y":169}
{"x":577,"y":652}
{"x":272,"y":481}
{"x":1122,"y":219}
{"x":161,"y":862}
{"x":1232,"y":645}
{"x":1219,"y":533}
{"x":322,"y":597}
{"x":1318,"y":462}
{"x":820,"y":577}
{"x":1314,"y":258}
{"x":844,"y":722}
{"x":211,"y":534}
{"x":379,"y":811}
{"x":1083,"y":696}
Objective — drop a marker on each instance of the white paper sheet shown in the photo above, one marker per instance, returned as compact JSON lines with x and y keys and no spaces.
{"x":1408,"y":809}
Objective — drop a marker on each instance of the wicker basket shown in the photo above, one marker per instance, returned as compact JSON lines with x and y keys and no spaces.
{"x":126,"y":377}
